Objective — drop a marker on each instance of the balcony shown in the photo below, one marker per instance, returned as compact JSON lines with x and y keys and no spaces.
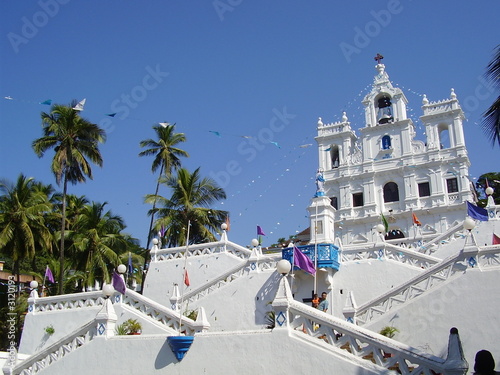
{"x":328,"y":254}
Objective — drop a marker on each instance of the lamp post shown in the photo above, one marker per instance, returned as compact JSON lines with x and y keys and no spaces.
{"x":283,"y":267}
{"x":469,"y":225}
{"x":108,"y":290}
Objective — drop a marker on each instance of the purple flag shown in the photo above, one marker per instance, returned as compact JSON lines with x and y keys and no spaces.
{"x":260,"y":232}
{"x":118,"y":283}
{"x":302,"y":261}
{"x":476,"y":212}
{"x":49,"y":276}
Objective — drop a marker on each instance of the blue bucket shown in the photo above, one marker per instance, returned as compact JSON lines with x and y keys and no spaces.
{"x":180,"y":345}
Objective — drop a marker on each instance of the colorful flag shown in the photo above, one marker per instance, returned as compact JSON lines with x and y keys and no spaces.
{"x":118,"y":283}
{"x":416,"y":221}
{"x":476,"y":212}
{"x":302,"y":261}
{"x":386,"y":224}
{"x":260,"y":232}
{"x":228,"y":223}
{"x":186,"y":278}
{"x":496,"y":240}
{"x":49,"y":275}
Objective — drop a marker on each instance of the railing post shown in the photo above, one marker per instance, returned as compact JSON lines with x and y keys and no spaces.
{"x":106,"y":320}
{"x":254,"y":259}
{"x":201,"y":324}
{"x":281,"y":305}
{"x":455,"y":363}
{"x":349,"y":310}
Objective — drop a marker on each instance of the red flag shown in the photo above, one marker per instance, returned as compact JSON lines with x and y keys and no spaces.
{"x":496,"y":239}
{"x":416,"y":221}
{"x":186,"y":278}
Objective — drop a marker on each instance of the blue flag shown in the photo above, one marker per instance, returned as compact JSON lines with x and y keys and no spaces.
{"x":476,"y":212}
{"x":130,"y":266}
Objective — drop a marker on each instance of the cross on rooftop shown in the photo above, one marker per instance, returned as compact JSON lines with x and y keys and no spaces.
{"x":378,"y":58}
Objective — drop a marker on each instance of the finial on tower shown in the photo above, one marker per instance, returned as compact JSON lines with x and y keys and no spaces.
{"x":378,"y":58}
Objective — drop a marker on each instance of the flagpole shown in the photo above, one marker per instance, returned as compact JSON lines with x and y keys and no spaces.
{"x":43,"y":285}
{"x":316,"y":250}
{"x":184,"y":276}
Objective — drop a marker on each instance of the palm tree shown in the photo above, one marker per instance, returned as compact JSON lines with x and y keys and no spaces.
{"x":74,"y":140}
{"x":167,"y":156}
{"x":190,"y":202}
{"x":491,"y":118}
{"x":22,"y":223}
{"x":96,"y":242}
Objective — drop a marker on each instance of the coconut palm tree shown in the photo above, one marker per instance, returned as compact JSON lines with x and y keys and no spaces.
{"x":191,"y":201}
{"x":491,"y":118}
{"x":167,"y":156}
{"x":22,"y":223}
{"x":96,"y":242}
{"x":75,"y":142}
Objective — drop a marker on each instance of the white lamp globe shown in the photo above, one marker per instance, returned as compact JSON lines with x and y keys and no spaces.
{"x":122,"y":268}
{"x":34,"y":284}
{"x":223,"y":226}
{"x":255,"y":242}
{"x":155,"y":241}
{"x":283,"y":266}
{"x":469,"y":224}
{"x":380,"y":228}
{"x":108,"y":290}
{"x":489,"y":190}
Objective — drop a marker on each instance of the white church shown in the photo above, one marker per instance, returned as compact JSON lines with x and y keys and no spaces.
{"x":392,"y":246}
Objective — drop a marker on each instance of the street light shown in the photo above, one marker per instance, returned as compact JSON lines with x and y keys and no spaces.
{"x":223,"y":226}
{"x":255,"y":242}
{"x":122,"y":268}
{"x":469,"y":224}
{"x":380,"y":228}
{"x":108,"y":290}
{"x":283,"y":267}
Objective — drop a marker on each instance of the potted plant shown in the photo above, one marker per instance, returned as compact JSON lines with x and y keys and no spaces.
{"x":389,"y":331}
{"x":133,"y":327}
{"x":49,"y":330}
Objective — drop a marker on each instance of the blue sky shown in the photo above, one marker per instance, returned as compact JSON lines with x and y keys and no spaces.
{"x":245,"y":81}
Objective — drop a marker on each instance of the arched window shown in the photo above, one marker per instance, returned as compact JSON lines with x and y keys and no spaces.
{"x":386,"y":142}
{"x":391,"y":192}
{"x":444,"y":136}
{"x":384,"y":106}
{"x":334,"y":155}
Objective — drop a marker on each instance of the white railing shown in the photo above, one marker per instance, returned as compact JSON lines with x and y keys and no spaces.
{"x":261,"y":264}
{"x":200,"y":249}
{"x":326,"y":330}
{"x":161,"y":314}
{"x":392,"y":252}
{"x":66,"y":302}
{"x":54,"y":352}
{"x":409,"y":290}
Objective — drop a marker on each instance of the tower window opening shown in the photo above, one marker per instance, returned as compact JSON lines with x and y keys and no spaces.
{"x":335,"y":156}
{"x":424,"y":189}
{"x":334,"y":202}
{"x":384,"y":113}
{"x":444,"y":137}
{"x":452,"y":185}
{"x":391,"y":192}
{"x":357,"y":200}
{"x":386,"y":142}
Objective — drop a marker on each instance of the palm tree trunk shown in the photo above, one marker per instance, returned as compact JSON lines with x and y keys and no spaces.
{"x":147,"y":256}
{"x":60,"y":289}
